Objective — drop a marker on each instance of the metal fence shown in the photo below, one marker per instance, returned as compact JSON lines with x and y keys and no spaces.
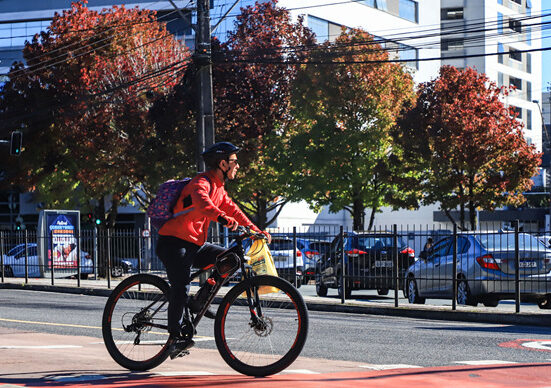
{"x":465,"y":267}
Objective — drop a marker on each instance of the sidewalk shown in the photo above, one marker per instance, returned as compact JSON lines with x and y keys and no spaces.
{"x":315,"y":303}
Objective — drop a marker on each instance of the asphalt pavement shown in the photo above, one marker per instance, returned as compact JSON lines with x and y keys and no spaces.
{"x":362,"y":302}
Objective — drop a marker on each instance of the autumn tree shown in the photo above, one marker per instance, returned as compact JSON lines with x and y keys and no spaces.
{"x":337,"y":145}
{"x":469,"y":146}
{"x":253,"y":71}
{"x":82,"y":98}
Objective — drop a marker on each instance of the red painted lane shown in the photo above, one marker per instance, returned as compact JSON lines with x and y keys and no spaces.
{"x":498,"y":376}
{"x":528,"y":344}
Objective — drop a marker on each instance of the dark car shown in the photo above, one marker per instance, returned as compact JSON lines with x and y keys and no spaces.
{"x":369,"y":265}
{"x":314,"y":251}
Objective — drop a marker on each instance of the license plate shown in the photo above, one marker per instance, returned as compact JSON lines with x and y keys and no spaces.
{"x":383,"y":264}
{"x":528,"y":264}
{"x":281,"y":258}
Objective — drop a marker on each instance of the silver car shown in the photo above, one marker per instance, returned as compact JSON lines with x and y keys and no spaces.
{"x":485,"y":270}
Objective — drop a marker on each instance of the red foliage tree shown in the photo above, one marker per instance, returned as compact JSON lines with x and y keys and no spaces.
{"x":468,"y":144}
{"x":83,"y":99}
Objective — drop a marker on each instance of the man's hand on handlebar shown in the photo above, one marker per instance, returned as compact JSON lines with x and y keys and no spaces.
{"x":267,"y":236}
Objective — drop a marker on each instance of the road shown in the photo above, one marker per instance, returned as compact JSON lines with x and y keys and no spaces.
{"x":336,"y":343}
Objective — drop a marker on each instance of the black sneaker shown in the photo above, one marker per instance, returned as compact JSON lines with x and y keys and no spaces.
{"x":179,"y":348}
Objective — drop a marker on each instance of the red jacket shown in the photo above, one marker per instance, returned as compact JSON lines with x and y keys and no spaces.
{"x":209,"y":200}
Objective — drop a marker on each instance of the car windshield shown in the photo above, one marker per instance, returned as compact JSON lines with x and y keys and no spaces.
{"x":506,"y":241}
{"x":281,"y":245}
{"x":15,"y":250}
{"x":377,"y":242}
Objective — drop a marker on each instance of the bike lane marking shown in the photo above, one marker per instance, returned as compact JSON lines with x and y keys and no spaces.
{"x":388,"y":366}
{"x":485,"y":362}
{"x":528,"y":344}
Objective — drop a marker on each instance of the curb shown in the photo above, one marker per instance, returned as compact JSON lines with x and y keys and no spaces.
{"x":435,"y":313}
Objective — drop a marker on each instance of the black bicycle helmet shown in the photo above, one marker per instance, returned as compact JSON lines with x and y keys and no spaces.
{"x":222,"y":148}
{"x":217,"y":152}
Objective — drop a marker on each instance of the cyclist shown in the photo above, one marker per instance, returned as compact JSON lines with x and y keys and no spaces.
{"x":182,"y":239}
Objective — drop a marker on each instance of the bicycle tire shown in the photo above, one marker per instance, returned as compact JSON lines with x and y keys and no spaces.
{"x":128,"y":299}
{"x":284,"y":342}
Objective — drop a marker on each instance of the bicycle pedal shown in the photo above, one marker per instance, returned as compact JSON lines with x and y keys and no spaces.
{"x":178,"y":355}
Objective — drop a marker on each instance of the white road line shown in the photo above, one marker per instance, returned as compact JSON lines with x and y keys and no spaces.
{"x":485,"y":362}
{"x":39,"y":346}
{"x":299,"y":372}
{"x":186,"y":373}
{"x":74,"y":378}
{"x":388,"y":366}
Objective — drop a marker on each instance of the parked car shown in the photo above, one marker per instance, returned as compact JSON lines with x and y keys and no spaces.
{"x":368,"y":263}
{"x":485,"y":270}
{"x":281,"y":249}
{"x":14,"y":262}
{"x":313,"y":251}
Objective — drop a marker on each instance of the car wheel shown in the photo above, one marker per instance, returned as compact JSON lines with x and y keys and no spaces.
{"x":413,"y":293}
{"x":321,"y":289}
{"x":347,"y":291}
{"x":545,"y":302}
{"x":464,"y":296}
{"x":490,"y":302}
{"x":116,"y":272}
{"x":382,"y":291}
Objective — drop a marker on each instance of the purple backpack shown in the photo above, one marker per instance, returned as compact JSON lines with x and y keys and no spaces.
{"x":161,"y":207}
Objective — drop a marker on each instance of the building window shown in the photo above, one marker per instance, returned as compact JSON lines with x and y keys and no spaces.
{"x":528,"y":63}
{"x":500,"y":49}
{"x":452,"y":13}
{"x":500,"y":2}
{"x":516,"y":82}
{"x":528,"y":119}
{"x":518,"y":111}
{"x":382,"y":5}
{"x":515,"y":54}
{"x":409,"y":9}
{"x":409,"y":53}
{"x":319,"y":27}
{"x":369,"y":3}
{"x":528,"y":31}
{"x":515,"y":25}
{"x":529,"y":91}
{"x":15,"y":34}
{"x":517,"y":1}
{"x":499,"y":78}
{"x":452,"y":44}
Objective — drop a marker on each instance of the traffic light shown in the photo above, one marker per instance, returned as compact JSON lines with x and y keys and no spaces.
{"x":16,"y":143}
{"x":19,"y":223}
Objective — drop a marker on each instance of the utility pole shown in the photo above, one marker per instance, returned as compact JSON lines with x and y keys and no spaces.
{"x":203,"y":64}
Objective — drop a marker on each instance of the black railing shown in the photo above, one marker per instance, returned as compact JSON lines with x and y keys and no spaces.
{"x":466,"y":268}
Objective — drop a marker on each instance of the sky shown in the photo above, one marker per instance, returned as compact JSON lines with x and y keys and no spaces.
{"x":546,"y":42}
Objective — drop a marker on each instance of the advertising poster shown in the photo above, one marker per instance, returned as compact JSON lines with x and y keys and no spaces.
{"x":63,"y":232}
{"x":60,"y":244}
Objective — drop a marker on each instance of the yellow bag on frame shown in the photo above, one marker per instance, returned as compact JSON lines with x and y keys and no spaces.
{"x":262,"y":263}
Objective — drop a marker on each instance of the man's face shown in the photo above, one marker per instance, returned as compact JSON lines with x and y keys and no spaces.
{"x":233,"y":166}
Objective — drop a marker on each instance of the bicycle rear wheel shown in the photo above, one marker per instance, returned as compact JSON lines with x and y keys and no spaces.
{"x":271,"y":341}
{"x":134,"y":323}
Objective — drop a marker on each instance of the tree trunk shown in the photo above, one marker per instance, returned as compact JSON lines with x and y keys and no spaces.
{"x":261,"y":216}
{"x":472,"y":215}
{"x":462,"y":216}
{"x":358,"y":214}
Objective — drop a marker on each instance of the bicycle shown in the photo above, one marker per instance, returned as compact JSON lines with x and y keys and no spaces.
{"x":260,"y":328}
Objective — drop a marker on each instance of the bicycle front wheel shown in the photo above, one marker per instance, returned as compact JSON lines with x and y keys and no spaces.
{"x":135,"y":322}
{"x":266,"y":337}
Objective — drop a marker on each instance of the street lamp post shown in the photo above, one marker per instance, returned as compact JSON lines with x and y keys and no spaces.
{"x":547,"y":148}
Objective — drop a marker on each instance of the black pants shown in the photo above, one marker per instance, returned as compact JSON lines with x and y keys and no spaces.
{"x":178,"y":256}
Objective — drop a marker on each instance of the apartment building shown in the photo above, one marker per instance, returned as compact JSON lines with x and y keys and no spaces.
{"x":493,"y":36}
